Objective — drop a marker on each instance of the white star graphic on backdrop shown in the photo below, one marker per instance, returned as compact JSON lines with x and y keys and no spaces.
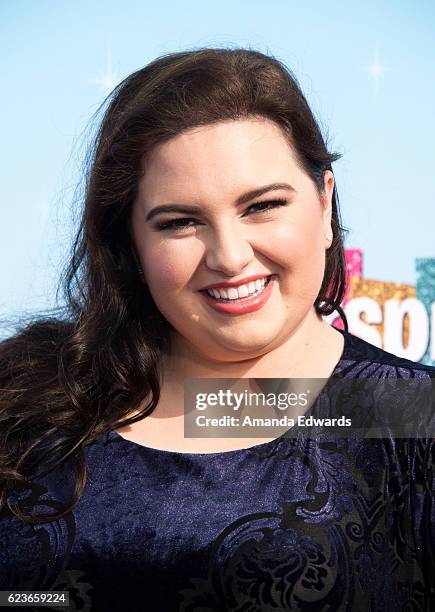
{"x":108,"y":79}
{"x":376,"y":71}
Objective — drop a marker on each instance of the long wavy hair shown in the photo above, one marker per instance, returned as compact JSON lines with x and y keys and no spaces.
{"x":76,"y":374}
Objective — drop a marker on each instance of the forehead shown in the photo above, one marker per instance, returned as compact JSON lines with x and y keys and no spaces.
{"x":234,"y":152}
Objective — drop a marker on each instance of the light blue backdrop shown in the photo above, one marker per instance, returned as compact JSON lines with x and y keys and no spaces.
{"x":368,"y":70}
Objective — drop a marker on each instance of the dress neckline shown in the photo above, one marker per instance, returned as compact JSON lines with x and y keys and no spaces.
{"x":265,"y":446}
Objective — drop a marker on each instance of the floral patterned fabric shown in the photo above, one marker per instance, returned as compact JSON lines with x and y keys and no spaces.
{"x":299,"y":523}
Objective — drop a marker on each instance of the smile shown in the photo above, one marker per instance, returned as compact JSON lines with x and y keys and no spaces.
{"x":242,"y":299}
{"x":241,"y":292}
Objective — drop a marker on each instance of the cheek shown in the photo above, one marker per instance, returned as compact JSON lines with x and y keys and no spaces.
{"x":299,"y":242}
{"x":299,"y":249}
{"x":169,"y":266}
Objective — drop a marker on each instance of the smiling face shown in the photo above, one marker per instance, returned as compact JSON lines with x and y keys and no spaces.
{"x":229,"y":238}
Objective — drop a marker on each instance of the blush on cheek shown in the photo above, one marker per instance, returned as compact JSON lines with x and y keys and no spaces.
{"x":295,"y":247}
{"x":168,"y":276}
{"x":306,"y":267}
{"x":171,"y":269}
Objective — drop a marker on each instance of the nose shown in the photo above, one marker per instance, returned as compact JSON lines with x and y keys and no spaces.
{"x":228,"y":251}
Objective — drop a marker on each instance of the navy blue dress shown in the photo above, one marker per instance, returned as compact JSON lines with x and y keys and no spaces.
{"x":313,"y":524}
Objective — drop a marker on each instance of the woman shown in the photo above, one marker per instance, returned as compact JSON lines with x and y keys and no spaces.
{"x":209,"y":172}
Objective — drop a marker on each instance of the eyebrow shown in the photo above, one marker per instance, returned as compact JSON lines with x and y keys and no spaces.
{"x":245,"y":197}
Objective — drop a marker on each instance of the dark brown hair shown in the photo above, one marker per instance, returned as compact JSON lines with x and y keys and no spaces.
{"x":65,"y":380}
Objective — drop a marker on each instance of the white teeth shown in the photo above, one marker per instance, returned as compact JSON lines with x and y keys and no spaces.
{"x":235,"y":293}
{"x":243,"y":291}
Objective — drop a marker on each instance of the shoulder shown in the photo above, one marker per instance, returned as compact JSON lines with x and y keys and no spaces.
{"x":356,"y":350}
{"x":392,"y":395}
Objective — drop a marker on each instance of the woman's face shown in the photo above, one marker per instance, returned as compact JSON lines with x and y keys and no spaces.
{"x":211,"y":168}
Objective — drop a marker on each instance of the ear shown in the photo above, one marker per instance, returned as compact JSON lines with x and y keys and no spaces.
{"x":326,"y":200}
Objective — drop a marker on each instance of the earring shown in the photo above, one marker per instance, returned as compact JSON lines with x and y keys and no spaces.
{"x":329,"y":236}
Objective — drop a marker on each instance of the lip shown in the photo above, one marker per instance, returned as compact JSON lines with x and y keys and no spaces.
{"x":242,"y":307}
{"x":243,"y":281}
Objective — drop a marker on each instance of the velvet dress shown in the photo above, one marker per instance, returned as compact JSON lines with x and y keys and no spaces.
{"x":319,"y":523}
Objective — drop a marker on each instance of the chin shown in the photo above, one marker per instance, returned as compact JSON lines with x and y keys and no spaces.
{"x":243,"y":344}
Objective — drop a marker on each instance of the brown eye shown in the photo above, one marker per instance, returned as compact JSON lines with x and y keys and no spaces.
{"x":268,"y":205}
{"x":186,"y":222}
{"x":175,"y":224}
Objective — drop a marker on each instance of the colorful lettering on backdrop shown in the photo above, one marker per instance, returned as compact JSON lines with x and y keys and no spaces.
{"x":396,"y":317}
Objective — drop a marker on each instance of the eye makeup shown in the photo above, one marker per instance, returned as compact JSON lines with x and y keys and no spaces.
{"x":260,"y":208}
